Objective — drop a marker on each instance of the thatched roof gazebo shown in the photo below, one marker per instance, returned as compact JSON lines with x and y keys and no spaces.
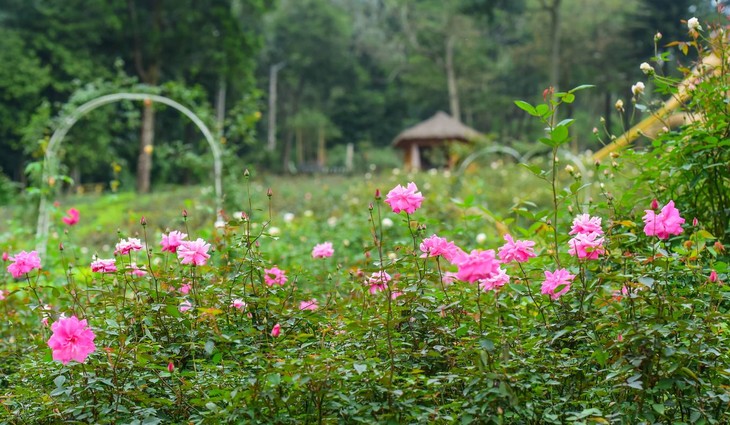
{"x":424,"y":143}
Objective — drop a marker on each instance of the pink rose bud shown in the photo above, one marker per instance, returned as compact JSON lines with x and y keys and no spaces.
{"x":276,"y":330}
{"x":370,"y":206}
{"x":60,"y":246}
{"x":377,"y":194}
{"x":620,"y":338}
{"x":184,"y":213}
{"x":170,"y":367}
{"x":269,"y":193}
{"x":695,"y":222}
{"x":713,"y":276}
{"x":6,"y":256}
{"x":143,"y":221}
{"x":654,"y":204}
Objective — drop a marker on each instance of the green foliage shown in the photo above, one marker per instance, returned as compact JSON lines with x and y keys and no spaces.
{"x":691,"y":165}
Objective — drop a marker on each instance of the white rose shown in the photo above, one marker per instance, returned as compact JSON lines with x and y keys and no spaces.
{"x":694,"y":24}
{"x":637,"y":88}
{"x":646,"y":68}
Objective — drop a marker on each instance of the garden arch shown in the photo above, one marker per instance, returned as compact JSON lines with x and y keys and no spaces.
{"x":50,"y":164}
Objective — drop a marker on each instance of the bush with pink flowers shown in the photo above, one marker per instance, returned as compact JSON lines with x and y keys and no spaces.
{"x":609,"y":310}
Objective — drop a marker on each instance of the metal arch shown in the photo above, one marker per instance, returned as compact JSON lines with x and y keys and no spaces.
{"x":486,"y":151}
{"x":50,"y":165}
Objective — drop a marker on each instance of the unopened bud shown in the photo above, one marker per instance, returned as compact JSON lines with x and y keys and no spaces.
{"x":613,"y":154}
{"x":143,"y":221}
{"x":60,"y":246}
{"x":170,"y":367}
{"x":713,"y":276}
{"x":370,"y":206}
{"x":719,"y":247}
{"x":246,"y":173}
{"x":377,"y":194}
{"x":269,"y":193}
{"x":184,"y":213}
{"x":654,"y":204}
{"x":569,"y":168}
{"x":695,"y":222}
{"x":657,"y":36}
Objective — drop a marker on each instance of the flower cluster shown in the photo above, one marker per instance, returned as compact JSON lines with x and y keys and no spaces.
{"x":668,"y":222}
{"x":23,"y":262}
{"x":323,"y":250}
{"x":406,"y":199}
{"x":71,"y":340}
{"x":275,"y":276}
{"x":587,"y":242}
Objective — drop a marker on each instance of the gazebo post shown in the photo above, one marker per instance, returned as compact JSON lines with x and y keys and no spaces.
{"x":415,"y":164}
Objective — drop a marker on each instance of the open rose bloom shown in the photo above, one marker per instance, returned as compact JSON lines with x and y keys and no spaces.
{"x":71,"y":340}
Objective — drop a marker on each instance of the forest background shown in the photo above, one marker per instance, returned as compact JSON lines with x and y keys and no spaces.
{"x":347,"y":71}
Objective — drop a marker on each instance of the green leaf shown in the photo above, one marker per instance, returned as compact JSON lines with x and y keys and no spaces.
{"x":542,"y":110}
{"x":360,"y":368}
{"x":526,"y":107}
{"x":209,"y":346}
{"x":569,"y":98}
{"x":59,"y":381}
{"x":560,"y":135}
{"x":581,"y":87}
{"x":659,"y":408}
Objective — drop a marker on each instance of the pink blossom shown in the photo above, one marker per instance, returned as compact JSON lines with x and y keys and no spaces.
{"x":618,"y":295}
{"x":584,"y":223}
{"x":667,"y":222}
{"x":309,"y":305}
{"x":2,"y":295}
{"x":170,"y":367}
{"x":478,"y":265}
{"x":586,"y":246}
{"x":713,"y":277}
{"x":557,"y":283}
{"x":276,"y":330}
{"x":185,"y":288}
{"x":104,"y":266}
{"x":433,"y":246}
{"x":378,"y":280}
{"x":72,"y":217}
{"x":275,"y":276}
{"x":24,"y":262}
{"x":395,"y":294}
{"x":136,"y":271}
{"x":620,"y":338}
{"x":519,"y":251}
{"x":172,"y":241}
{"x":185,"y":306}
{"x":193,"y":252}
{"x":6,"y":256}
{"x":448,"y":278}
{"x":323,"y":250}
{"x":406,"y":199}
{"x":71,"y":340}
{"x":125,"y":246}
{"x":238,"y":304}
{"x":494,"y":282}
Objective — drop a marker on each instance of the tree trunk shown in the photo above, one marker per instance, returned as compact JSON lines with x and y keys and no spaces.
{"x":220,"y":105}
{"x":554,"y":11}
{"x":273,"y":82}
{"x":321,"y":148}
{"x":451,"y":79}
{"x":144,"y":163}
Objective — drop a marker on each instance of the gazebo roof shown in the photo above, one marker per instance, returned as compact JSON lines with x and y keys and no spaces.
{"x":439,"y":127}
